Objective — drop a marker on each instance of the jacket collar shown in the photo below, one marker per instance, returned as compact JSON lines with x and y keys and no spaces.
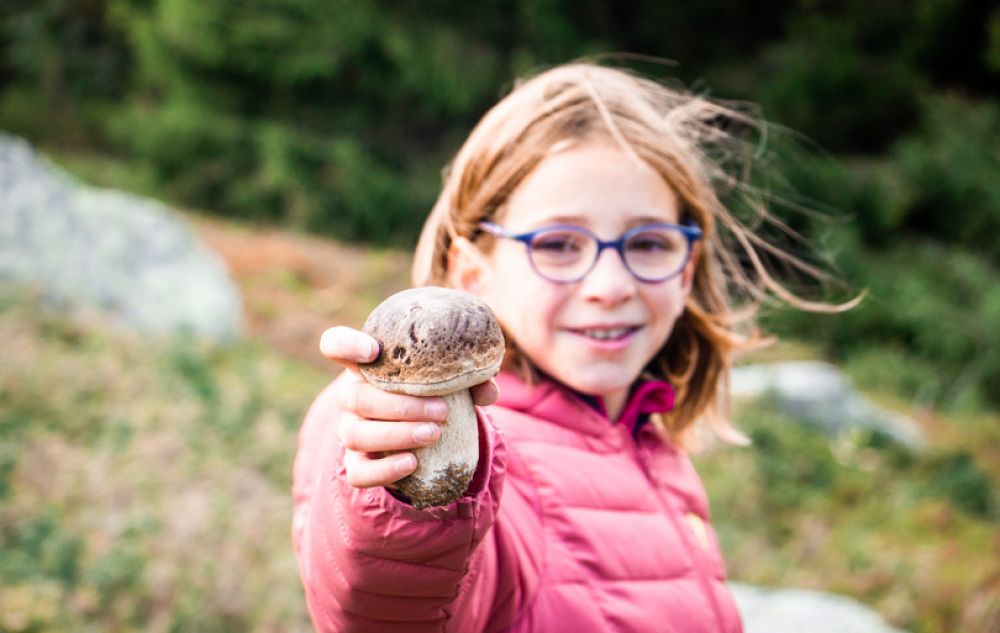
{"x":553,"y":401}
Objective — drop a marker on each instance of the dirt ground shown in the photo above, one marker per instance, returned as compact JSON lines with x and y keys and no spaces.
{"x":295,"y":286}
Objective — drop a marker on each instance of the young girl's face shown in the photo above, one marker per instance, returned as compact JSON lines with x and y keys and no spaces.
{"x":564,"y":328}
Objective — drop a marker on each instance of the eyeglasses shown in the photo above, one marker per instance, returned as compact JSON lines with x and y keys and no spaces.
{"x":566,"y":254}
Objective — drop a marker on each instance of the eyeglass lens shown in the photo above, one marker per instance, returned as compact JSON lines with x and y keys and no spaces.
{"x":651,"y":254}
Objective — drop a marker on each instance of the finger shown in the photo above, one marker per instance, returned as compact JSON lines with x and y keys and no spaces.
{"x":485,"y":393}
{"x":367,"y":401}
{"x":371,"y":436}
{"x":366,"y":471}
{"x":348,"y":346}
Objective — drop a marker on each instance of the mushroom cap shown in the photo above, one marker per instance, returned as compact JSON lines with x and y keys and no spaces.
{"x":433,"y":341}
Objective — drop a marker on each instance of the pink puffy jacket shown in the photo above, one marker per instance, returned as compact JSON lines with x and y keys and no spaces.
{"x":571,"y":524}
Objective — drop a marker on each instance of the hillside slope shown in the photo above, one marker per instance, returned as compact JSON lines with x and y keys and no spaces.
{"x":144,"y":484}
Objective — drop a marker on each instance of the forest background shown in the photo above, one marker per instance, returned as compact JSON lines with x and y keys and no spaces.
{"x":335,"y":118}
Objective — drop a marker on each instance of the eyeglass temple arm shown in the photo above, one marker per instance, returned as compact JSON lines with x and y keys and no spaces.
{"x":499,"y":231}
{"x":692,"y":229}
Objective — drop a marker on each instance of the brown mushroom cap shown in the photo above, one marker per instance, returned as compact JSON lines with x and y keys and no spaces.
{"x":433,"y":341}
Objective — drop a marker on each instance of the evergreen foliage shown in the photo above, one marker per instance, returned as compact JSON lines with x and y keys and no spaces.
{"x":336,"y":117}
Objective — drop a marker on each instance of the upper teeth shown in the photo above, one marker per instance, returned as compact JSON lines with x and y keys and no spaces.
{"x":607,"y":333}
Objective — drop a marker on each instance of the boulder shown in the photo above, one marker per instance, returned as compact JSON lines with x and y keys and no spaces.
{"x":766,"y":610}
{"x":820,"y":394}
{"x":130,"y":257}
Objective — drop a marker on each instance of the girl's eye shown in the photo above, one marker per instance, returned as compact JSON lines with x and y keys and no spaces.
{"x":562,"y":242}
{"x":652,"y":243}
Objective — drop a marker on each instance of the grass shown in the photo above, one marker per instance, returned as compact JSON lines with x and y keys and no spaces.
{"x":913,"y":535}
{"x":144,"y":484}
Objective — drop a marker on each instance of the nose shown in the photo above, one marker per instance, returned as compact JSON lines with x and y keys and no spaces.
{"x":609,"y":281}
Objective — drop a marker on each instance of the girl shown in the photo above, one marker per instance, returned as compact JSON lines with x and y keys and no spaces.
{"x":583,"y":210}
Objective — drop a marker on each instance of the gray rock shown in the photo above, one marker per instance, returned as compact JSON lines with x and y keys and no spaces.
{"x":130,"y":257}
{"x":767,"y":610}
{"x":821,"y":394}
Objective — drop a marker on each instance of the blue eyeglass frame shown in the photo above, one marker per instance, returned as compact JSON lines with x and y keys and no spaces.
{"x":689,"y":230}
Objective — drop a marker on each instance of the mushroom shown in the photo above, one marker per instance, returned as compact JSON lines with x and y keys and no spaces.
{"x":437,"y":342}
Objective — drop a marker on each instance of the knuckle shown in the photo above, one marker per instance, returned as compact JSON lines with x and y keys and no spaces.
{"x":353,"y":479}
{"x":353,"y":470}
{"x":345,"y":431}
{"x":409,"y":408}
{"x":366,"y":400}
{"x":348,"y":397}
{"x":349,"y":466}
{"x":402,"y":407}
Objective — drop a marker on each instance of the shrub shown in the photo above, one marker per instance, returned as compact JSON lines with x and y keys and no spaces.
{"x":955,"y":477}
{"x":950,"y":169}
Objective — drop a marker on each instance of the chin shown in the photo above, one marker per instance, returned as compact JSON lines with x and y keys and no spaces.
{"x":598,"y":384}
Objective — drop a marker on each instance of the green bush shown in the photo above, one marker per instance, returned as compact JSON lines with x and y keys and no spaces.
{"x":916,"y":231}
{"x":63,"y":66}
{"x":337,"y":118}
{"x":793,"y":461}
{"x":41,"y":546}
{"x":949,"y":167}
{"x":955,"y":477}
{"x":936,"y":305}
{"x":822,"y":82}
{"x":320,"y":117}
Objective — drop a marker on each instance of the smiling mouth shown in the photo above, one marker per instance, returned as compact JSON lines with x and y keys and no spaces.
{"x":606,"y":334}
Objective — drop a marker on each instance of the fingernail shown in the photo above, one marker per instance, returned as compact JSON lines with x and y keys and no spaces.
{"x":436,"y":410}
{"x":405,"y":464}
{"x":371,"y":349}
{"x":425,"y":433}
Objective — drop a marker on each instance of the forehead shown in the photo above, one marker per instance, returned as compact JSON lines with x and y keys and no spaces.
{"x":597,"y":185}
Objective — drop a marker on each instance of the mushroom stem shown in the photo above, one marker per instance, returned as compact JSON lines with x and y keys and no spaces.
{"x":445,"y":469}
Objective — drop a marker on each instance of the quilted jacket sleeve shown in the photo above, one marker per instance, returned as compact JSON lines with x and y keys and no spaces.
{"x":370,"y":562}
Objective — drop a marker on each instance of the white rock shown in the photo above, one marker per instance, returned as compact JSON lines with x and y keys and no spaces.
{"x":821,"y":394}
{"x":131,"y":257}
{"x":766,"y":610}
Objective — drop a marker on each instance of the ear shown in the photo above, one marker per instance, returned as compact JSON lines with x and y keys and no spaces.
{"x":467,"y":267}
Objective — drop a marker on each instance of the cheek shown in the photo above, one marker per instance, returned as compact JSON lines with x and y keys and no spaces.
{"x":527,"y":306}
{"x":669,"y":306}
{"x":511,"y":282}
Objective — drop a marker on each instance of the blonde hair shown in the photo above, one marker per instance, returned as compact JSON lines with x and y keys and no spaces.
{"x":695,"y":144}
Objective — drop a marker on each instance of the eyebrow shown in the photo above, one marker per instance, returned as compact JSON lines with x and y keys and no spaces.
{"x":646,"y":218}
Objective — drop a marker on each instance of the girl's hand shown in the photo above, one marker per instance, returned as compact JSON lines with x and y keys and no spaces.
{"x":378,"y":429}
